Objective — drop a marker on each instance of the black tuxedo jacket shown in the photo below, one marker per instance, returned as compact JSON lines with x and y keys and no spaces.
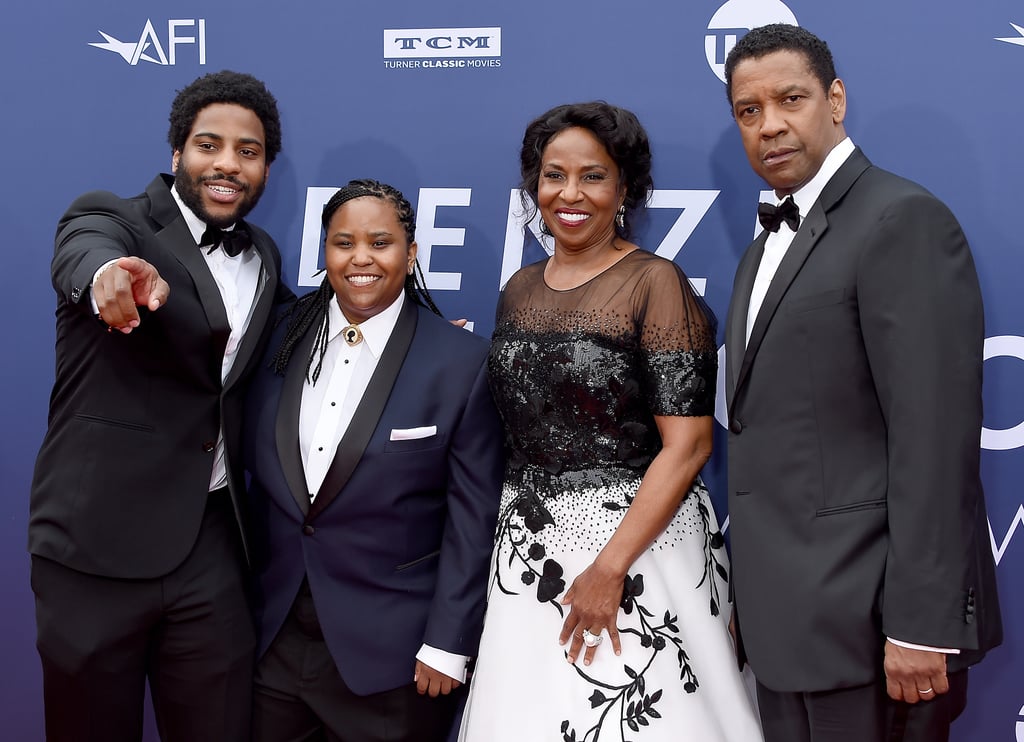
{"x":855,"y":410}
{"x":122,"y":476}
{"x":397,"y":543}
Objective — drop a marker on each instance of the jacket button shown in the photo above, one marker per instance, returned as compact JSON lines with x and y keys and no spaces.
{"x":308,"y":530}
{"x":736,"y":426}
{"x":209,"y":446}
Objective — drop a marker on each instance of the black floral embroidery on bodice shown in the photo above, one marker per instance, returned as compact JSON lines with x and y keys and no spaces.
{"x":579,"y":375}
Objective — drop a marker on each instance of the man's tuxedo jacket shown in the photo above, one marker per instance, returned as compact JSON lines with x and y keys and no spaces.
{"x":855,"y":411}
{"x":397,"y":543}
{"x":122,"y":476}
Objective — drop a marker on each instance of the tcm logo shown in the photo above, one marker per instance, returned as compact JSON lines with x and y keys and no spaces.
{"x":733,"y":20}
{"x":150,"y":48}
{"x":435,"y":43}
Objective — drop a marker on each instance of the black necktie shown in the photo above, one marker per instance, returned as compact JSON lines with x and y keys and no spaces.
{"x":772,"y":216}
{"x":232,"y":242}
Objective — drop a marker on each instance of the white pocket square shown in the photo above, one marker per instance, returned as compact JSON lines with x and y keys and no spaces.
{"x":411,"y":434}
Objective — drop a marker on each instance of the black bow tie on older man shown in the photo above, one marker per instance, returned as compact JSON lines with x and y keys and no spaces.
{"x":771,"y":216}
{"x":232,"y":242}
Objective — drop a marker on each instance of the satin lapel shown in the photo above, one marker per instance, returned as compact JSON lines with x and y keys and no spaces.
{"x":176,"y":238}
{"x":811,"y":230}
{"x":287,"y":427}
{"x":736,"y":332}
{"x":263,"y":305}
{"x":367,"y":414}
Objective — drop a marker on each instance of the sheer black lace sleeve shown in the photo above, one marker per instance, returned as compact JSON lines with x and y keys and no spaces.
{"x":679,"y":357}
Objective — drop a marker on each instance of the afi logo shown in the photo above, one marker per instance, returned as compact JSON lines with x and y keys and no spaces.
{"x":420,"y":43}
{"x":149,"y":47}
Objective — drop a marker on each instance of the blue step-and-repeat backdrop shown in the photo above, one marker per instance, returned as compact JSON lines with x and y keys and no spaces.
{"x":433,"y":97}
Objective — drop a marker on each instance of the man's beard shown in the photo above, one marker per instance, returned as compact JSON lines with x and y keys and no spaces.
{"x":190,"y":191}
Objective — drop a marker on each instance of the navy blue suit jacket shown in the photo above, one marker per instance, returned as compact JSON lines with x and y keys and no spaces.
{"x":397,"y":543}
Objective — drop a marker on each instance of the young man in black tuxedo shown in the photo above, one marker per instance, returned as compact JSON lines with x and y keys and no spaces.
{"x":137,"y":505}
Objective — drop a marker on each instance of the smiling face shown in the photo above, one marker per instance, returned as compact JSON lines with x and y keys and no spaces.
{"x":579,"y":190}
{"x":368,"y":256}
{"x":222,"y":169}
{"x":787,"y":121}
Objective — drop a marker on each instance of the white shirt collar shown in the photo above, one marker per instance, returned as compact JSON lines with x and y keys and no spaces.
{"x":376,"y":330}
{"x":806,"y":196}
{"x":195,"y":225}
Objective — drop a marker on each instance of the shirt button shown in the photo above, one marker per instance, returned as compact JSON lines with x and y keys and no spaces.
{"x":308,"y":530}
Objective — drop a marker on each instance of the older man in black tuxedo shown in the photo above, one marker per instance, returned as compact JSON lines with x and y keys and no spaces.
{"x":863,"y":576}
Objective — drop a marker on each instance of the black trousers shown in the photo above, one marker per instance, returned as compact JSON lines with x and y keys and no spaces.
{"x":189,"y":633}
{"x":928,"y":721}
{"x":301,"y":697}
{"x":861,"y":714}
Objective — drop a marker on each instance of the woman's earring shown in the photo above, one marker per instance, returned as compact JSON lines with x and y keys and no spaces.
{"x":620,"y":217}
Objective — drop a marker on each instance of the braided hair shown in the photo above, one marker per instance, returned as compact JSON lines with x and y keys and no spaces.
{"x":313,"y":307}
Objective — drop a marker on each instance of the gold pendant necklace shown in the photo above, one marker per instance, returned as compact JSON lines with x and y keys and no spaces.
{"x":352,"y":335}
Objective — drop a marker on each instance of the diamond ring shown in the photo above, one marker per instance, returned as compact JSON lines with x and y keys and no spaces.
{"x":591,"y":640}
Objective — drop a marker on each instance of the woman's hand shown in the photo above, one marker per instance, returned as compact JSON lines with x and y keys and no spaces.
{"x":595,"y":596}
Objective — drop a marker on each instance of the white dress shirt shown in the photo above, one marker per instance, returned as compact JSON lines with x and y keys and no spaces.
{"x":778,"y":243}
{"x":327,"y":408}
{"x":237,"y":278}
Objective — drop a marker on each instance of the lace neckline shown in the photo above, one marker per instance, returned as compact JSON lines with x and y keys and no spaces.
{"x":577,"y":287}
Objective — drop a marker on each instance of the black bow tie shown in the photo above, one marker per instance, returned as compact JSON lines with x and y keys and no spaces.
{"x":232,"y":242}
{"x":772,"y":216}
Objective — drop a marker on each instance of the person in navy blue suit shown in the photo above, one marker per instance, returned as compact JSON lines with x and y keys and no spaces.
{"x":376,"y":458}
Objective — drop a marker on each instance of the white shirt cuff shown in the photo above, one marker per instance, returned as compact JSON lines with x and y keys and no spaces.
{"x":923,"y":647}
{"x":452,"y":665}
{"x":95,"y":277}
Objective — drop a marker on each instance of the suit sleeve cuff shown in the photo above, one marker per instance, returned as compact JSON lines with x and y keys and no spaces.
{"x":923,"y":647}
{"x":452,"y":665}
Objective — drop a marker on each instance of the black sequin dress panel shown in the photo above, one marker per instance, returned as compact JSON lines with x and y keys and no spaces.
{"x":578,"y":375}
